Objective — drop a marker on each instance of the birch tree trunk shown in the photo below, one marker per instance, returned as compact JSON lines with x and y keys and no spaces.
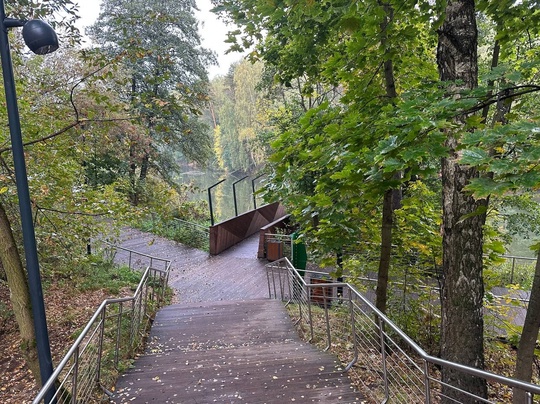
{"x":462,"y":330}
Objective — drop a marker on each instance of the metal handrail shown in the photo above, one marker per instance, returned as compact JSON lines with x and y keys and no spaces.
{"x":293,"y":289}
{"x":85,"y":357}
{"x":197,"y":225}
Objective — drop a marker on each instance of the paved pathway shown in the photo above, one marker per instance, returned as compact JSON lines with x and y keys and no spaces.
{"x":225,"y":341}
{"x":196,"y":276}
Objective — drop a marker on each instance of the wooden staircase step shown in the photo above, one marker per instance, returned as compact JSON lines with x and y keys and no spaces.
{"x":232,"y":352}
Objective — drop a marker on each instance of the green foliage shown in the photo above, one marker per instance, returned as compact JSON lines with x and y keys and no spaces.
{"x":192,"y":234}
{"x":163,"y":206}
{"x":240,"y":111}
{"x":518,"y":273}
{"x":164,"y":83}
{"x":347,"y":155}
{"x":514,"y":219}
{"x":415,"y":309}
{"x":393,"y":123}
{"x":96,"y":273}
{"x":61,"y":14}
{"x":68,"y":210}
{"x":105,"y":169}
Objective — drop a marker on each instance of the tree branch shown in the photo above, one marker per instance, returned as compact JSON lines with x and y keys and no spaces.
{"x":66,"y":128}
{"x":64,"y":212}
{"x":78,"y":121}
{"x":502,"y":95}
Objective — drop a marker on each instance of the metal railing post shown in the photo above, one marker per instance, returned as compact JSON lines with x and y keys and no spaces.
{"x":328,"y":334}
{"x":310,"y":313}
{"x":299,"y":304}
{"x":274,"y":286}
{"x":140,"y":308}
{"x":268,"y":282}
{"x":280,"y":283}
{"x":100,"y":345}
{"x":210,"y":200}
{"x":290,"y":275}
{"x":234,"y":194}
{"x":165,"y":280}
{"x":427,"y":383}
{"x":144,"y":302}
{"x":253,"y":189}
{"x":383,"y":353}
{"x":75,"y":378}
{"x":353,"y":330}
{"x":132,"y":328}
{"x":118,"y":333}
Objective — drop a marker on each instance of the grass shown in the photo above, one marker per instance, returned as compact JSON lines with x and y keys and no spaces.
{"x":520,"y":272}
{"x":105,"y":275}
{"x":190,"y":234}
{"x":125,"y":326}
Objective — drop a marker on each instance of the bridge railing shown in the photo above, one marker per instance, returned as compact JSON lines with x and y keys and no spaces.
{"x":388,"y":363}
{"x":113,"y":335}
{"x":193,"y":234}
{"x":516,"y":269}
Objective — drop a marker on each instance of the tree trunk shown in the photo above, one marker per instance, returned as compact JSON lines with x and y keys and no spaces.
{"x":386,"y":252}
{"x":19,"y":294}
{"x":132,"y":153}
{"x":390,"y":200}
{"x":529,"y":336}
{"x":144,"y":168}
{"x":138,"y":184}
{"x":462,"y":329}
{"x":132,"y":177}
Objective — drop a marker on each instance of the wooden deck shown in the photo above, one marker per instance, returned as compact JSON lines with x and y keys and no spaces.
{"x":225,"y":342}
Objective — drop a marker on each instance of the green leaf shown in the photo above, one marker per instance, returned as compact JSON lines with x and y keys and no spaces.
{"x":480,"y":210}
{"x":484,"y":187}
{"x":474,"y":157}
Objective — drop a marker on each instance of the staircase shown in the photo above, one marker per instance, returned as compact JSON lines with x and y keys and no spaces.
{"x":231,"y":352}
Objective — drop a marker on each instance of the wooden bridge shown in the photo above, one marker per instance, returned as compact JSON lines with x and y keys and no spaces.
{"x":224,"y":341}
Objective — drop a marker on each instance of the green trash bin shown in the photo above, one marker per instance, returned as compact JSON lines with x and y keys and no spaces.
{"x":299,"y":255}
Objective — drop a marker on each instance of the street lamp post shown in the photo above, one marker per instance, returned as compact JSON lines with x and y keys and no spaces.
{"x":41,"y":39}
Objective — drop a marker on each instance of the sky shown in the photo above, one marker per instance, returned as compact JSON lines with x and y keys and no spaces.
{"x":213,"y":32}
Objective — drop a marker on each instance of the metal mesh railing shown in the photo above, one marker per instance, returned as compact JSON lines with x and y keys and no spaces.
{"x":110,"y":339}
{"x":515,"y":270}
{"x":387,"y":363}
{"x":192,"y":234}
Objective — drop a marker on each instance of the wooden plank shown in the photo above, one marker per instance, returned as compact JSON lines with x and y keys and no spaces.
{"x":232,"y":352}
{"x":224,"y":342}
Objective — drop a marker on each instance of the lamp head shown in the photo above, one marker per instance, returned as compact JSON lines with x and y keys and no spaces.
{"x":40,"y":37}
